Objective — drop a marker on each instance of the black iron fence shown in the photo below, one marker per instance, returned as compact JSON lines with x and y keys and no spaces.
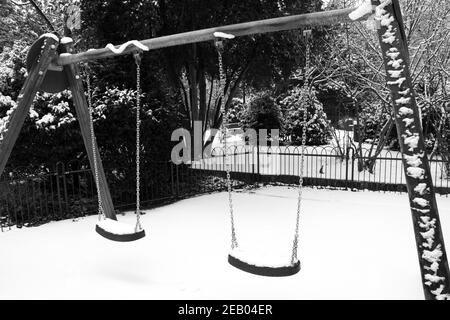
{"x":323,"y":166}
{"x":32,"y":196}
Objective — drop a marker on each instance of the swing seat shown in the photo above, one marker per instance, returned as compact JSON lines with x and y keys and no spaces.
{"x":262,"y":265}
{"x":118,"y":231}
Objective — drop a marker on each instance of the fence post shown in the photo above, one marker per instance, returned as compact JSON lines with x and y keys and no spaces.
{"x":347,"y":158}
{"x":177,"y":182}
{"x":253,"y":163}
{"x":350,"y":167}
{"x":172,"y":185}
{"x":66,"y":196}
{"x":58,"y":187}
{"x":234,"y":166}
{"x":247,"y":164}
{"x":353,"y":163}
{"x":257,"y":161}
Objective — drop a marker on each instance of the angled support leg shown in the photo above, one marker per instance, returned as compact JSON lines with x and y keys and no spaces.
{"x":82,"y":110}
{"x":26,"y":97}
{"x":427,"y":227}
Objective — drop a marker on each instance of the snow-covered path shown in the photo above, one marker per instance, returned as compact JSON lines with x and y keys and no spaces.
{"x":353,"y":245}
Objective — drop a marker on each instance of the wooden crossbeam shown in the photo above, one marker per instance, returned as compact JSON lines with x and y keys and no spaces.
{"x":241,"y":29}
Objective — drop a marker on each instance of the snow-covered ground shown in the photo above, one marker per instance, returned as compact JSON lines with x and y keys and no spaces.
{"x":353,"y":245}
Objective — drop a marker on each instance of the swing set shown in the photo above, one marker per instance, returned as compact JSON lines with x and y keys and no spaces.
{"x":54,"y":66}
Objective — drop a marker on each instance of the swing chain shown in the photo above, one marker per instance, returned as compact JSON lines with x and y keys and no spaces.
{"x":222,"y":83}
{"x":101,"y":212}
{"x":222,"y":76}
{"x":137,"y":59}
{"x":294,"y":257}
{"x":300,"y":185}
{"x":307,"y":35}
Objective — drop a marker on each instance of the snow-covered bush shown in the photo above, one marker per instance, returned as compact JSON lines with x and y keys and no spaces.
{"x":263,"y":113}
{"x":293,"y":103}
{"x":7,"y":107}
{"x":236,"y":111}
{"x":51,"y":132}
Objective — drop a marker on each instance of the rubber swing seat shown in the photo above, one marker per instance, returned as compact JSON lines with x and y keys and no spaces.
{"x":276,"y":270}
{"x":117,"y":231}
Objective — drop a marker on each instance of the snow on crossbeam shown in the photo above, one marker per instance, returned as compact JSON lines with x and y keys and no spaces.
{"x":364,"y":9}
{"x":50,"y":35}
{"x":241,"y":29}
{"x":124,"y":46}
{"x":223,"y":35}
{"x":66,"y":40}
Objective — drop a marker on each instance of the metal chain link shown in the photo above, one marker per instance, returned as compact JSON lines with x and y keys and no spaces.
{"x":302,"y":154}
{"x":101,"y":212}
{"x":306,"y":83}
{"x":222,"y":80}
{"x":137,"y":60}
{"x":307,"y":61}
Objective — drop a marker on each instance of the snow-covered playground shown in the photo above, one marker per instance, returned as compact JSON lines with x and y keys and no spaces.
{"x":353,"y":245}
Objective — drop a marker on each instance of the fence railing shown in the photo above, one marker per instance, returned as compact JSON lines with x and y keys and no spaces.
{"x":34,"y":196}
{"x":323,"y":166}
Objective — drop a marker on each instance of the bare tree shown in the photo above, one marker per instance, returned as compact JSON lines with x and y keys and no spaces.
{"x":354,"y":65}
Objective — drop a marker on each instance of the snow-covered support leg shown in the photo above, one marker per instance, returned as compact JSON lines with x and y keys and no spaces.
{"x":427,"y":227}
{"x":26,"y":97}
{"x":79,"y":100}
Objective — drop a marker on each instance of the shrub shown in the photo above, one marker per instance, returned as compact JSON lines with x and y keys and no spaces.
{"x":293,"y":104}
{"x":263,"y":113}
